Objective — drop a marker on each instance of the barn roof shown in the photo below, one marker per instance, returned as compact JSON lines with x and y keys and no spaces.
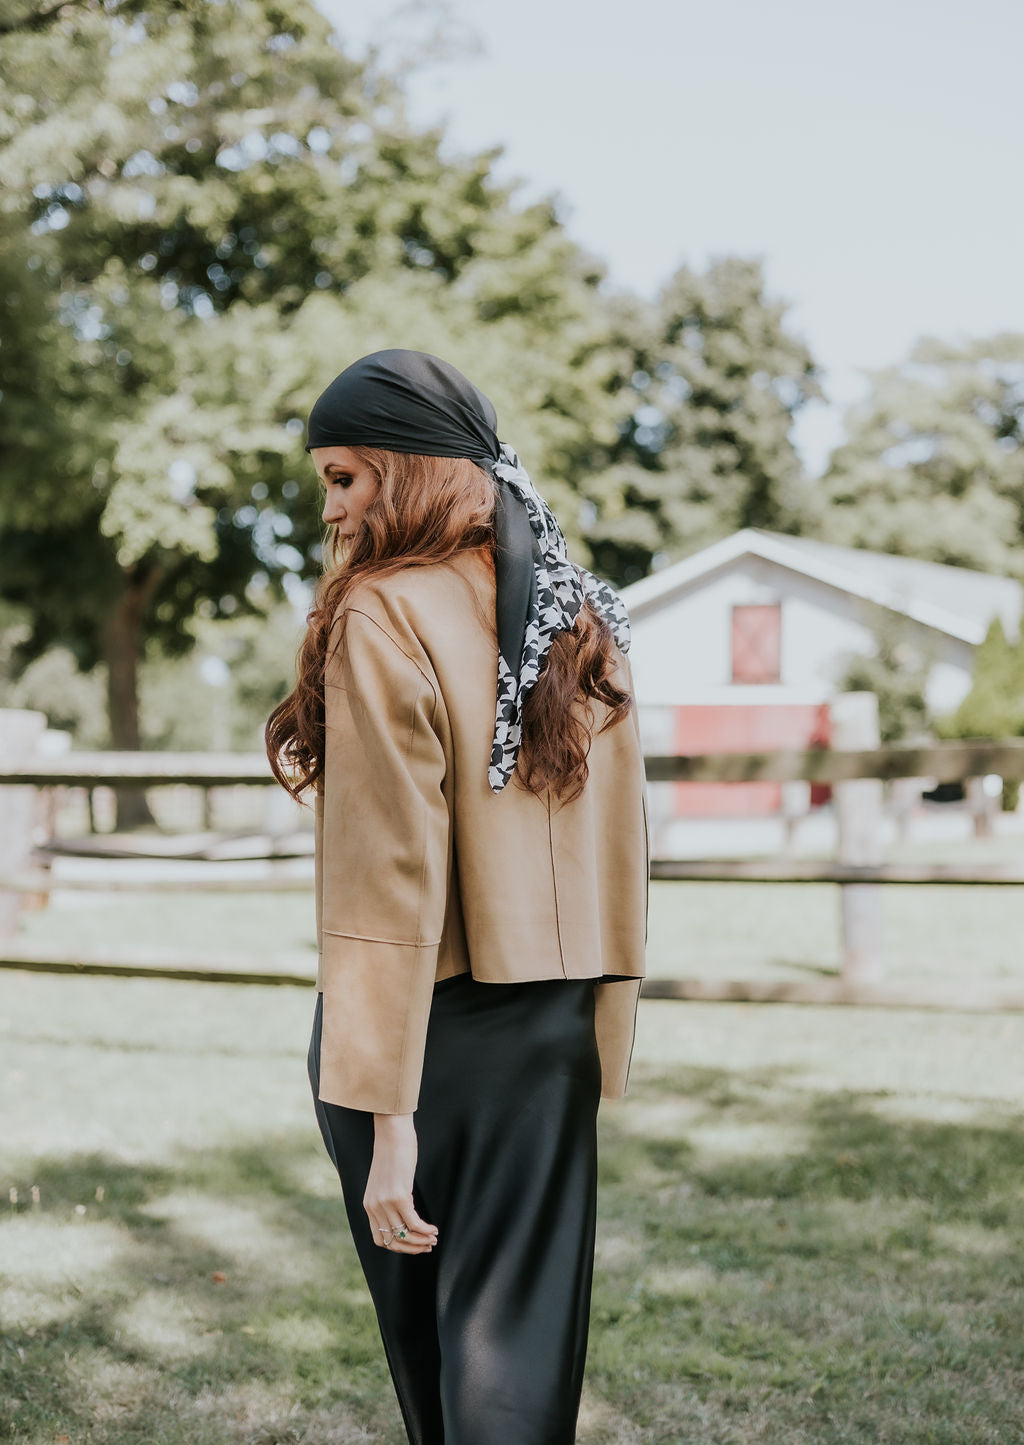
{"x":954,"y":600}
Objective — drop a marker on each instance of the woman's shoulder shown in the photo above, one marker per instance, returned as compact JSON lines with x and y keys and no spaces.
{"x":424,"y":579}
{"x":418,"y":601}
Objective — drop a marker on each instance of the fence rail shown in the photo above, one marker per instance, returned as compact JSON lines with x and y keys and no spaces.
{"x":141,"y":770}
{"x":41,"y":881}
{"x":856,"y":773}
{"x":947,"y":762}
{"x":692,"y":870}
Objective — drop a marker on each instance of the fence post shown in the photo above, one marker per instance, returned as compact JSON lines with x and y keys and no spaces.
{"x":904,"y":800}
{"x":858,"y":804}
{"x":796,"y":804}
{"x":982,"y":806}
{"x":20,"y":731}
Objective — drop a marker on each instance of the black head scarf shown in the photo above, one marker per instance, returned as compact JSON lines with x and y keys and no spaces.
{"x":410,"y":401}
{"x":406,"y":401}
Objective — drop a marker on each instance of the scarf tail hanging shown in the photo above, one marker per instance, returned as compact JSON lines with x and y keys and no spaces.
{"x":555,"y":600}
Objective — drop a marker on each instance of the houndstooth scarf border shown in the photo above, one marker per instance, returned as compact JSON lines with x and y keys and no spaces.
{"x":561,"y":588}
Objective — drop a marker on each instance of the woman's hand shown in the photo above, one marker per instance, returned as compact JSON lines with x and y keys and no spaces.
{"x":388,"y":1198}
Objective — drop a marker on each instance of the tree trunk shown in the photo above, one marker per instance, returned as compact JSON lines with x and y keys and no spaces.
{"x":123,"y":650}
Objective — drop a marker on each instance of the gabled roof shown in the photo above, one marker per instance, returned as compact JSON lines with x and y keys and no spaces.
{"x":954,"y":600}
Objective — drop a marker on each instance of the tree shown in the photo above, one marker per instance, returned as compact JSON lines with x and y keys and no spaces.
{"x":934,"y":462}
{"x":994,"y":707}
{"x":897,"y":673}
{"x":210,"y":209}
{"x":25,"y":20}
{"x":714,"y":382}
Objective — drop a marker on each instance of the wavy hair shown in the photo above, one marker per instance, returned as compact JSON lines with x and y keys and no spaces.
{"x":428,"y":509}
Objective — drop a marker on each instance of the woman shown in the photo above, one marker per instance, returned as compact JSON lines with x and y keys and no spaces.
{"x":464,"y":710}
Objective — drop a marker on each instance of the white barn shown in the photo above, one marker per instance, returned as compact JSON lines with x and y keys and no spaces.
{"x":742,"y":644}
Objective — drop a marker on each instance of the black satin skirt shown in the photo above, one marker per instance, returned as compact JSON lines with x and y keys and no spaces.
{"x":486,"y":1336}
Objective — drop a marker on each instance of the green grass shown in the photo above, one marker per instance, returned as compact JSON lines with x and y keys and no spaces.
{"x":811,"y":1220}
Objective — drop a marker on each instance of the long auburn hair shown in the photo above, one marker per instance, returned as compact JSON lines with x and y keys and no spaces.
{"x":426,"y":510}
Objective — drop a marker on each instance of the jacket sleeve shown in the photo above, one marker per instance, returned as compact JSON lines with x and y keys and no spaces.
{"x":615,"y":1011}
{"x":616,"y":1000}
{"x":383,"y":868}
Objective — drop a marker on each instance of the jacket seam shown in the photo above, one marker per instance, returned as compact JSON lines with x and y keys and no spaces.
{"x":397,"y":1095}
{"x":554,"y":885}
{"x":394,"y":641}
{"x":423,"y":802}
{"x":369,"y":938}
{"x":397,"y":1098}
{"x":632,"y":1040}
{"x":647,"y":866}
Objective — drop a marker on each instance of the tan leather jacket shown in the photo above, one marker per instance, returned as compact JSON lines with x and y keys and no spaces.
{"x":423,"y":872}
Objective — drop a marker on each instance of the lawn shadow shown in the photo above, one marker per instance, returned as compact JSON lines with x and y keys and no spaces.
{"x":216,"y":1298}
{"x":803,"y":965}
{"x":806,"y":1267}
{"x":774,"y":1265}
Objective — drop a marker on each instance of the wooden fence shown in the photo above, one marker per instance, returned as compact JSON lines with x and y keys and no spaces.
{"x":856,"y":773}
{"x":945,"y":762}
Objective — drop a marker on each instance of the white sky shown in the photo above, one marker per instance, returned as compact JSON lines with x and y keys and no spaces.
{"x":870,"y":153}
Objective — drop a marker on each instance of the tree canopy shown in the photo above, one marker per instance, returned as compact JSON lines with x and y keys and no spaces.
{"x":897,"y":673}
{"x":994,"y":707}
{"x":934,"y":462}
{"x":705,"y":448}
{"x":207,"y":208}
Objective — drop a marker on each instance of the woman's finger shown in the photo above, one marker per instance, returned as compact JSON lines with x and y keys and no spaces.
{"x":413,"y":1220}
{"x":421,"y":1233}
{"x":405,"y":1212}
{"x":387,"y":1233}
{"x":406,"y":1237}
{"x":382,"y":1233}
{"x":405,"y":1228}
{"x":402,"y":1214}
{"x":407,"y":1246}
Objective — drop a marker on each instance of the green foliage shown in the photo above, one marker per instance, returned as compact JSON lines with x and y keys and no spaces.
{"x":218,"y":695}
{"x":208,"y":209}
{"x":714,"y":384}
{"x":994,"y":707}
{"x":934,"y":463}
{"x":897,"y":673}
{"x":72,"y":700}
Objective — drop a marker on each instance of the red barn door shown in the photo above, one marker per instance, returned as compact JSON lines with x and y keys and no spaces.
{"x":744,"y":728}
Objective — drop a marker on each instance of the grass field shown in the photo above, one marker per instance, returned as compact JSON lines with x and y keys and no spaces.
{"x":811,"y":1220}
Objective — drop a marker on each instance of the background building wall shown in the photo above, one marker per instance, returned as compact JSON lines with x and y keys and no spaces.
{"x":681,"y":650}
